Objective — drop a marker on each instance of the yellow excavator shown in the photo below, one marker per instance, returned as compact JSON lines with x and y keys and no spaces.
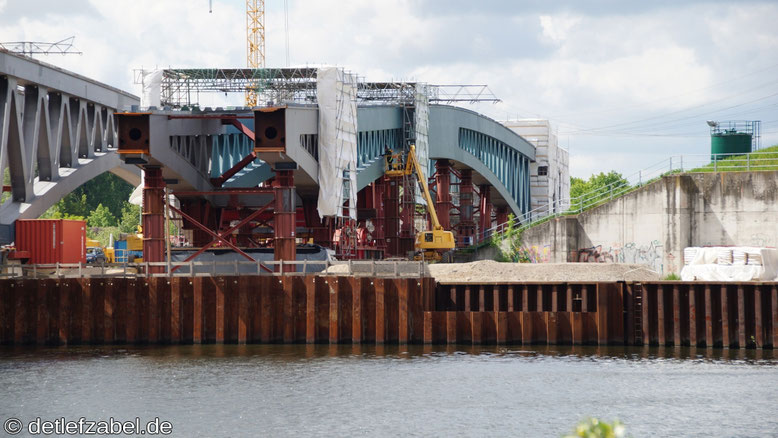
{"x":430,"y":245}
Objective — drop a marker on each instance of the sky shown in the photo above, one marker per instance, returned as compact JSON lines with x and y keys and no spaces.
{"x":627,"y":84}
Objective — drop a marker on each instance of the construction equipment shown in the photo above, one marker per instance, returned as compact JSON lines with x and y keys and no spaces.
{"x":431,"y":244}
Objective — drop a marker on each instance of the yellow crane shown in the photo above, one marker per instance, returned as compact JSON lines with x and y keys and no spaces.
{"x":433,"y":243}
{"x":255,"y":42}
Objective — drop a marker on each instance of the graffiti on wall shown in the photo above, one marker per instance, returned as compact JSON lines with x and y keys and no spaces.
{"x":650,"y":254}
{"x":538,"y":253}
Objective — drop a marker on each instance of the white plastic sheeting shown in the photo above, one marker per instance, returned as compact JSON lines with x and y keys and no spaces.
{"x":336,"y":92}
{"x":421,"y":123}
{"x":152,"y":89}
{"x":718,"y":264}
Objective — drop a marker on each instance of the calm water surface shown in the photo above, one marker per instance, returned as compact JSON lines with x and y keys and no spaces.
{"x":299,"y":390}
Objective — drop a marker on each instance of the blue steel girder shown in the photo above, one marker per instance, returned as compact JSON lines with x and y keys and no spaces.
{"x":498,"y":156}
{"x":56,"y":133}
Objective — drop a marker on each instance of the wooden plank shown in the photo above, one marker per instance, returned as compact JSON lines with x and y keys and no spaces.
{"x":725,"y":312}
{"x":524,"y":298}
{"x":109,"y":309}
{"x":243,"y":308}
{"x":287,"y":289}
{"x":380,"y":311}
{"x":451,"y":327}
{"x":773,"y":341}
{"x":647,"y":298}
{"x":741,"y":317}
{"x":708,"y":317}
{"x":310,"y":309}
{"x":554,"y":298}
{"x":603,"y":302}
{"x":64,"y":312}
{"x":403,"y":288}
{"x":660,"y":314}
{"x":197,"y":310}
{"x":356,"y":286}
{"x":175,"y":309}
{"x":514,"y":332}
{"x":758,"y":325}
{"x":427,"y":337}
{"x":332,"y":287}
{"x":502,"y":326}
{"x":676,"y":316}
{"x":693,"y":326}
{"x":476,"y":327}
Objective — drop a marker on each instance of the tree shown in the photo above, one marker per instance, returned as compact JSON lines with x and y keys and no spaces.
{"x":597,"y":187}
{"x":130,"y":218}
{"x":101,"y":217}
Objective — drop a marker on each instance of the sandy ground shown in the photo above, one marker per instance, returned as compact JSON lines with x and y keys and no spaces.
{"x":488,"y":271}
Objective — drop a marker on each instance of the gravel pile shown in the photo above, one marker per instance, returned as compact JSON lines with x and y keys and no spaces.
{"x":490,"y":271}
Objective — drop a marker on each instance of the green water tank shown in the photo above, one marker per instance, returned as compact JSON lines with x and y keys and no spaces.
{"x":729,"y":142}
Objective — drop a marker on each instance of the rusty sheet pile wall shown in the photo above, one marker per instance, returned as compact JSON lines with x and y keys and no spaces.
{"x":225,"y":309}
{"x":313,"y":309}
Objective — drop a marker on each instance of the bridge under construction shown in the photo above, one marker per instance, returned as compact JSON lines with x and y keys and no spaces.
{"x":306,"y":166}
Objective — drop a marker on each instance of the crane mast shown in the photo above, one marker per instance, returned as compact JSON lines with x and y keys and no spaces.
{"x":255,"y":43}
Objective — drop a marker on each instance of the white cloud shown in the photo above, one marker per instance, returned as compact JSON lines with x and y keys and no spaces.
{"x":586,"y":69}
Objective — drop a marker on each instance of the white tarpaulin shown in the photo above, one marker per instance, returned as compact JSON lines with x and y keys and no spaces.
{"x":152,"y":89}
{"x":421,"y":122}
{"x":731,"y":264}
{"x":336,"y":92}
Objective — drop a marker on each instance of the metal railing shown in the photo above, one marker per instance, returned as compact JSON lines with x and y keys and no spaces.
{"x":372,"y":268}
{"x":754,"y":161}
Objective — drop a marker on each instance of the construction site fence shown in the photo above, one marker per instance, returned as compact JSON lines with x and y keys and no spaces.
{"x":754,"y":161}
{"x":373,"y":268}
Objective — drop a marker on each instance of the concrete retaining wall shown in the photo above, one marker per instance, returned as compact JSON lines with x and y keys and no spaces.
{"x":653,"y":225}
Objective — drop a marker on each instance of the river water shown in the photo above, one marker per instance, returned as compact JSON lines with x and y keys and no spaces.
{"x":306,"y":390}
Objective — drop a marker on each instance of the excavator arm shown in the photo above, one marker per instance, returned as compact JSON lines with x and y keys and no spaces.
{"x":413,"y":161}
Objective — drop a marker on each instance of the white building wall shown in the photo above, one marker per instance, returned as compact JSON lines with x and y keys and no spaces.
{"x":551,"y":190}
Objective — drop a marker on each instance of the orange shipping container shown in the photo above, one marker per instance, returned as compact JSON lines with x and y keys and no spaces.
{"x":52,"y":240}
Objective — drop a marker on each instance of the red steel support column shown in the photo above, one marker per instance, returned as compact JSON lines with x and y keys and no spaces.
{"x":321,"y":232}
{"x":392,"y":216}
{"x":154,"y":217}
{"x":502,"y":214}
{"x":466,"y":225}
{"x":443,"y":195}
{"x":485,"y":210}
{"x":379,"y":190}
{"x":407,"y":215}
{"x":284,"y":218}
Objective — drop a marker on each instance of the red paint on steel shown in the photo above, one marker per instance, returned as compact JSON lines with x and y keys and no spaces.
{"x":153,"y":217}
{"x":484,"y":210}
{"x":466,"y":226}
{"x":49,"y":241}
{"x":284,"y":218}
{"x":443,"y":202}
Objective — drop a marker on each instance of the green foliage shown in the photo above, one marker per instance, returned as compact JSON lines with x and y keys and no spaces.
{"x":764,"y":159}
{"x":672,"y":277}
{"x":508,"y":243}
{"x":103,"y":234}
{"x":130,"y":218}
{"x":101,"y":217}
{"x":106,"y":189}
{"x":594,"y":428}
{"x":596,"y":188}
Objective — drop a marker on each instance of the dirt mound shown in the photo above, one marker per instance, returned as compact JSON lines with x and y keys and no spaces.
{"x":491,"y":271}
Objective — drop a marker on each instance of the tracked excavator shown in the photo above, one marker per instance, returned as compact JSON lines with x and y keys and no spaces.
{"x":435,"y":244}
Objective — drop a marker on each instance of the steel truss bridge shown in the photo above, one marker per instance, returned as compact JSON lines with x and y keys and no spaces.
{"x":56,"y":132}
{"x":60,"y":129}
